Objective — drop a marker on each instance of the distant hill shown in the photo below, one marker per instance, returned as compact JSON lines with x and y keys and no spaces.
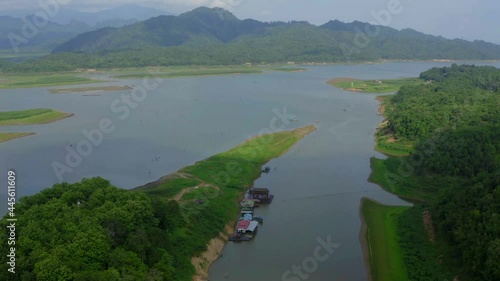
{"x":66,"y":24}
{"x":198,"y":27}
{"x":124,"y":13}
{"x":300,"y":40}
{"x":211,"y":36}
{"x":44,"y":39}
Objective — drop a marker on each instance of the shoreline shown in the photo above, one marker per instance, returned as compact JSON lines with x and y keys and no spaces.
{"x":14,"y":136}
{"x":204,"y":262}
{"x":281,"y":143}
{"x":363,"y":232}
{"x":63,"y":115}
{"x":229,"y":228}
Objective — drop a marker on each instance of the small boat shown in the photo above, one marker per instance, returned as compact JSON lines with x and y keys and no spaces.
{"x":266,"y":170}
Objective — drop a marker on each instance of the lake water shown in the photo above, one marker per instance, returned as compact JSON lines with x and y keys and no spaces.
{"x":318,"y":185}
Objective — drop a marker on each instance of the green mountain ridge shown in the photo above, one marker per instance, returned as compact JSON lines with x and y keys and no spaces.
{"x":331,"y":41}
{"x":214,"y":36}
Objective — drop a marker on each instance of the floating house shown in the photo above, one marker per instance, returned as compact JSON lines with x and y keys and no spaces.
{"x":260,"y":194}
{"x":245,"y":230}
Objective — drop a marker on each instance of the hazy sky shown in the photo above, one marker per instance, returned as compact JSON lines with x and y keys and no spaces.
{"x":468,"y":19}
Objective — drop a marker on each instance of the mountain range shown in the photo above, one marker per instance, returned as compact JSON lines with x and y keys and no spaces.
{"x":66,"y":24}
{"x":204,"y":26}
{"x":209,"y":36}
{"x":67,"y":15}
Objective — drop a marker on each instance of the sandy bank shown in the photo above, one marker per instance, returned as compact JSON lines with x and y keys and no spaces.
{"x":213,"y":253}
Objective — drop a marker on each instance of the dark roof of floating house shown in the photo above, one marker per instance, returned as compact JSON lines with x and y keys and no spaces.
{"x":257,"y":190}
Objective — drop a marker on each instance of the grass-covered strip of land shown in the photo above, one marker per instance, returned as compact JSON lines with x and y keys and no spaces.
{"x":288,"y":69}
{"x":31,"y":116}
{"x":90,"y":89}
{"x":10,"y":81}
{"x":4,"y":137}
{"x":92,"y":230}
{"x":400,"y":246}
{"x":385,"y":252}
{"x":178,"y":71}
{"x":452,"y":171}
{"x":398,"y":175}
{"x":373,"y":86}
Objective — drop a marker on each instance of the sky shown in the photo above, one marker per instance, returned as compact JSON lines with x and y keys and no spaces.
{"x":467,"y":19}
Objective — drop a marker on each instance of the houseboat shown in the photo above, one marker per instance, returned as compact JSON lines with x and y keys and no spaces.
{"x":261,"y":195}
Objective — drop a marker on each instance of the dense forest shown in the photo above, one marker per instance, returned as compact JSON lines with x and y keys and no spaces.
{"x":216,"y":37}
{"x":455,"y":121}
{"x":92,"y":231}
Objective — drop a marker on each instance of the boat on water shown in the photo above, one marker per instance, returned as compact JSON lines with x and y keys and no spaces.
{"x":266,"y":170}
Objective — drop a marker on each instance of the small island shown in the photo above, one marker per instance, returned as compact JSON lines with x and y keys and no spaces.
{"x":28,"y":117}
{"x":4,"y":137}
{"x":28,"y":80}
{"x":31,"y":117}
{"x":90,"y":89}
{"x":191,"y":71}
{"x":373,"y":86}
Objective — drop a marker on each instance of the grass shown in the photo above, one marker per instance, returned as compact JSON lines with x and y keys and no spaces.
{"x":388,"y":145}
{"x":373,"y":86}
{"x":31,"y":117}
{"x":397,"y":175}
{"x":188,"y":71}
{"x":385,"y":252}
{"x":10,"y":81}
{"x":287,"y":69}
{"x":223,"y":178}
{"x":170,"y":72}
{"x":89,"y":89}
{"x":170,"y":187}
{"x":4,"y":137}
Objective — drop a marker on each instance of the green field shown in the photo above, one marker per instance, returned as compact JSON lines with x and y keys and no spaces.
{"x":287,"y":69}
{"x":396,"y":176}
{"x":373,"y":86}
{"x":90,"y":89}
{"x":8,"y":81}
{"x":385,"y":251}
{"x":4,"y":137}
{"x":178,"y":71}
{"x":31,"y":117}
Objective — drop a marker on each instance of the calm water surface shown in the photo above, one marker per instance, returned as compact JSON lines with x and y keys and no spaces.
{"x":318,"y":184}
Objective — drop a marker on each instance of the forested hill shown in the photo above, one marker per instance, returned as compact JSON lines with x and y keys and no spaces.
{"x":454,"y":119}
{"x":207,"y":36}
{"x":301,"y":41}
{"x":255,"y":41}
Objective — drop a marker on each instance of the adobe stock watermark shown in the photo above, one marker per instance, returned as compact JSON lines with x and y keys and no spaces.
{"x":31,"y":26}
{"x":363,"y":38}
{"x":310,"y":264}
{"x":93,"y":138}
